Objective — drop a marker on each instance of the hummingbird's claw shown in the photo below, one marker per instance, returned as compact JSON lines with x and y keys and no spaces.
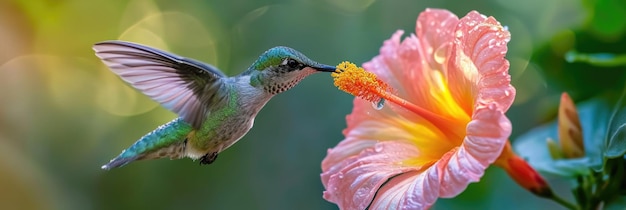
{"x":208,"y":158}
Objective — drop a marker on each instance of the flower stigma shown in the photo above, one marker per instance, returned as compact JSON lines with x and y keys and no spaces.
{"x":366,"y":85}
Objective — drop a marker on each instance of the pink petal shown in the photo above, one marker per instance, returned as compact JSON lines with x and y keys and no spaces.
{"x":366,"y":126}
{"x":477,"y":58}
{"x":413,"y":64}
{"x":385,"y":65}
{"x":454,"y":171}
{"x":408,"y":191}
{"x":487,"y":134}
{"x":353,"y":183}
{"x":435,"y":29}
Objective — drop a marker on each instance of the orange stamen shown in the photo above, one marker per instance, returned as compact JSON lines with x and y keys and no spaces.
{"x":360,"y":83}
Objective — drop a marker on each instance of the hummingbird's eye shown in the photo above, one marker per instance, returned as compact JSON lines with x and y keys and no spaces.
{"x":292,"y":63}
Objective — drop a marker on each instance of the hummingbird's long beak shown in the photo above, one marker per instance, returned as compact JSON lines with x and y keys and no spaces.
{"x":324,"y":68}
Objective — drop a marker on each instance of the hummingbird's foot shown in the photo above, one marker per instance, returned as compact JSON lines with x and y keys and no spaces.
{"x":208,"y":158}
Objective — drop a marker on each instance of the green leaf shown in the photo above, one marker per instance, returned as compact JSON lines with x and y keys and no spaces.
{"x":593,"y":117}
{"x":615,"y":145}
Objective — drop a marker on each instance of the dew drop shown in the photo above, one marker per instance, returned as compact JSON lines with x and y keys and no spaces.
{"x":378,"y":148}
{"x":492,"y":42}
{"x":459,"y":34}
{"x":440,"y":55}
{"x":340,"y":175}
{"x":360,"y":194}
{"x":379,"y":105}
{"x":507,"y":92}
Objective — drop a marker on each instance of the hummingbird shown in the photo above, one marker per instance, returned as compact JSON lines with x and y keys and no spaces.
{"x":214,"y":110}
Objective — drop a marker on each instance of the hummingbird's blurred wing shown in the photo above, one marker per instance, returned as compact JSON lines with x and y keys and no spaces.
{"x":178,"y":83}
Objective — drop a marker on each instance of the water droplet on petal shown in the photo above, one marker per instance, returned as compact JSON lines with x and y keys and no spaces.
{"x":378,"y":148}
{"x":492,"y":42}
{"x":340,"y":175}
{"x":379,"y":105}
{"x":459,"y":34}
{"x":440,"y":55}
{"x":360,"y":194}
{"x":507,"y":92}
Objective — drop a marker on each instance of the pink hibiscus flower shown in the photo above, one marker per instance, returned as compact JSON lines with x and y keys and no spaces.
{"x":442,"y":126}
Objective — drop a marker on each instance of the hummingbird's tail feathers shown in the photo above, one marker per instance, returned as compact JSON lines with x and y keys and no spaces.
{"x":173,"y":151}
{"x":167,"y":140}
{"x":118,"y":162}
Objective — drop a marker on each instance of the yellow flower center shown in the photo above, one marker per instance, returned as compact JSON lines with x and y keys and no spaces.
{"x":434,"y":137}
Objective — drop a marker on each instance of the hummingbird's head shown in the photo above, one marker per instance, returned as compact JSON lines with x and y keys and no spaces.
{"x":281,"y":68}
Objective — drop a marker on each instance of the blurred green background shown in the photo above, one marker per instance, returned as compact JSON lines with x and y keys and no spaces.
{"x":63,"y":113}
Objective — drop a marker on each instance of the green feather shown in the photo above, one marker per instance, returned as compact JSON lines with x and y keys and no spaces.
{"x":164,"y":136}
